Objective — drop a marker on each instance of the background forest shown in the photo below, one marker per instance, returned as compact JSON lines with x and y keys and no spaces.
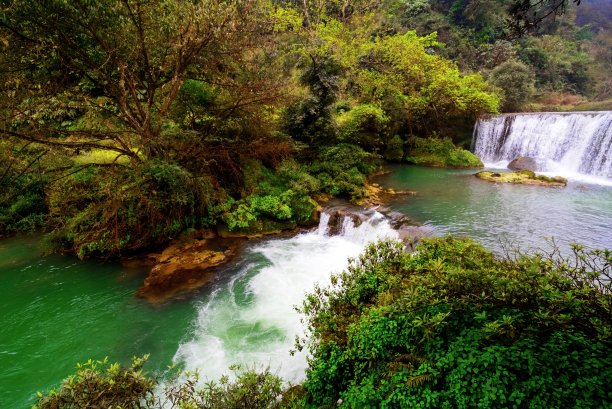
{"x":239,"y":113}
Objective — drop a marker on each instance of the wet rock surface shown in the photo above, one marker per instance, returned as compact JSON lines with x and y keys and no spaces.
{"x":526,"y":163}
{"x":524,"y":177}
{"x":185,"y":266}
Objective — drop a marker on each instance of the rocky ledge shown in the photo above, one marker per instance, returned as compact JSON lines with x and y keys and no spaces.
{"x":524,"y":177}
{"x":184,"y":266}
{"x":376,"y":195}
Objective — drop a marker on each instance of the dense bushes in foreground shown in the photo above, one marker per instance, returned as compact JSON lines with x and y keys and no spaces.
{"x":452,"y":326}
{"x":99,"y":384}
{"x":449,"y":326}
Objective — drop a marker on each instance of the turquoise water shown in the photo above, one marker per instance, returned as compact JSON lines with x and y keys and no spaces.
{"x":57,"y":311}
{"x":455,"y":201}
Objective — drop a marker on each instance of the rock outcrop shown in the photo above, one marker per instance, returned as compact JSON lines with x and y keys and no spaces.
{"x":525,"y":163}
{"x":182,"y":267}
{"x":524,"y":177}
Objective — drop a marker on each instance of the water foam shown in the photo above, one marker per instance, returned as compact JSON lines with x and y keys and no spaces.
{"x":251,"y":320}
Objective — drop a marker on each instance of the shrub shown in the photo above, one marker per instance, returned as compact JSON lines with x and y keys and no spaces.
{"x":517,"y":81}
{"x":452,"y":326}
{"x":98,"y":384}
{"x":342,"y":169}
{"x":438,"y":152}
{"x":395,"y":149}
{"x":365,"y":126}
{"x":110,"y":210}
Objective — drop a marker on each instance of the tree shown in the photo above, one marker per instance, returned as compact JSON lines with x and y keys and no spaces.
{"x":517,"y":81}
{"x":526,"y":15}
{"x":142,"y":99}
{"x":105,"y":74}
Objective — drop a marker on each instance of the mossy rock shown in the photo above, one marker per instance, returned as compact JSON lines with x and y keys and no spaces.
{"x":525,"y":177}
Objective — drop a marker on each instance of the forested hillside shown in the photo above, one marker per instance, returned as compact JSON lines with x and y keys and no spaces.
{"x":109,"y":110}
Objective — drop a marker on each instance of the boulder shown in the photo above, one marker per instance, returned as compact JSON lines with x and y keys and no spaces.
{"x":180,"y":267}
{"x":412,"y":235}
{"x":524,"y":177}
{"x":525,"y":163}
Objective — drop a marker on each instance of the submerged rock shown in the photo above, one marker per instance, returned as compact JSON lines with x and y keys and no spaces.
{"x":525,"y":177}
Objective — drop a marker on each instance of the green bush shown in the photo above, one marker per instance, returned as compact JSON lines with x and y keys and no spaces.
{"x":104,"y":211}
{"x":394,"y":151}
{"x":517,"y":81}
{"x":438,"y":152}
{"x":451,"y":326}
{"x":365,"y":126}
{"x":342,"y":170}
{"x":276,"y":195}
{"x":98,"y":384}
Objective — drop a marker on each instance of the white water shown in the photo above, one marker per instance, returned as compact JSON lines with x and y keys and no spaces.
{"x":574,"y":145}
{"x":252,"y":321}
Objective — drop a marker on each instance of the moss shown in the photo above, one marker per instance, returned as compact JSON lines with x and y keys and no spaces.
{"x":441,"y":153}
{"x":525,"y":177}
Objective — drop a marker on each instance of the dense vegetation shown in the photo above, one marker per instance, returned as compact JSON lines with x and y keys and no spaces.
{"x":447,"y":326}
{"x":204,"y":114}
{"x":238,"y":113}
{"x":452,"y":326}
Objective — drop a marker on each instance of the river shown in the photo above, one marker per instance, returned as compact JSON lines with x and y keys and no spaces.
{"x":58,"y":311}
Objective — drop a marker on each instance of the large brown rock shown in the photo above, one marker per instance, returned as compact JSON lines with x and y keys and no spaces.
{"x":525,"y":163}
{"x":181,"y":267}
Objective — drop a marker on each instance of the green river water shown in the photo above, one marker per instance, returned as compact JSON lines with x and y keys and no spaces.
{"x":57,"y":311}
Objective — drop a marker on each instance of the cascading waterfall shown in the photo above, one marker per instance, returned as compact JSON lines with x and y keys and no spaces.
{"x":251,"y":320}
{"x":577,"y":143}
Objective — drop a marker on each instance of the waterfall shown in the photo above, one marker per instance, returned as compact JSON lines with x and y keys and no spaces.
{"x":251,"y":320}
{"x":565,"y":143}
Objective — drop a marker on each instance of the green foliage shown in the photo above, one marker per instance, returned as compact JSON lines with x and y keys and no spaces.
{"x":394,"y":151}
{"x":309,"y":120}
{"x":282,"y":195}
{"x":365,"y":126}
{"x":517,"y":81}
{"x":342,"y":169}
{"x":251,"y":389}
{"x":438,"y":152}
{"x":98,"y":384}
{"x":560,"y":65}
{"x":452,"y":326}
{"x":109,"y":210}
{"x":405,"y":70}
{"x":22,"y":187}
